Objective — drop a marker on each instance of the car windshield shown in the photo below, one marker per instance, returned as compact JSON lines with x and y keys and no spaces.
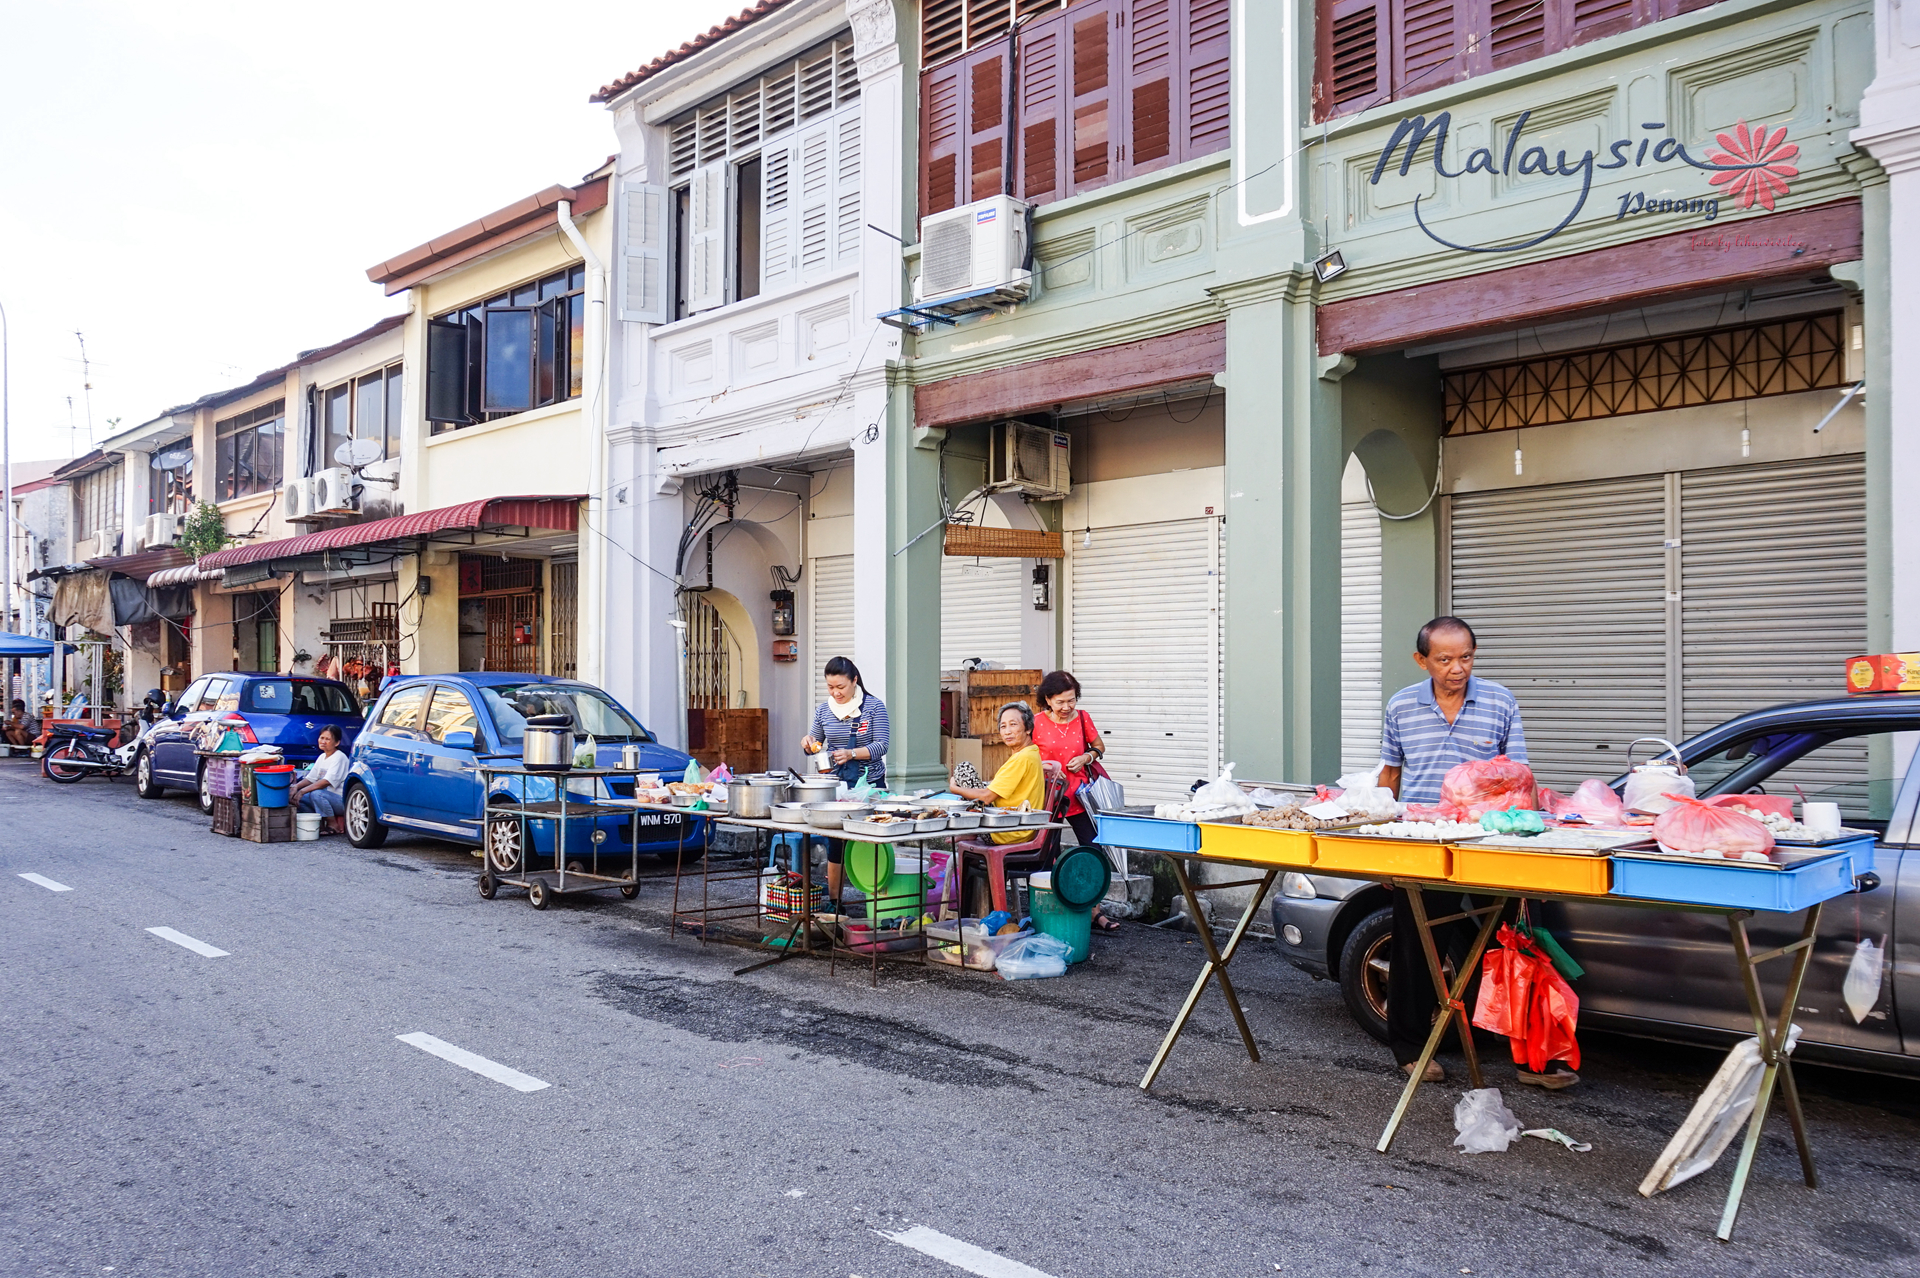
{"x":593,"y":711}
{"x":300,"y":696}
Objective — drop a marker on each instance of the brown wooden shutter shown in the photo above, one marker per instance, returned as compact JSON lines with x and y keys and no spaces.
{"x":986,"y":117}
{"x":1355,"y":56}
{"x":1152,"y":34}
{"x":1427,"y":43}
{"x":1092,"y":123}
{"x":941,"y":31}
{"x":1043,"y":89}
{"x":940,"y":138}
{"x":1209,"y":45}
{"x":1518,"y":31}
{"x":1593,"y":19}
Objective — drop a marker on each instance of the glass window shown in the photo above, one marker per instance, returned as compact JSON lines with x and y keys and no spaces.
{"x":402,"y":712}
{"x":392,"y":436}
{"x":302,"y":696}
{"x":1856,"y":771}
{"x":593,"y":711}
{"x":514,"y":358}
{"x":247,"y":452}
{"x":228,"y":699}
{"x":339,"y":424}
{"x":190,"y":699}
{"x":370,"y":411}
{"x":450,"y":712}
{"x":507,"y":379}
{"x":272,"y":695}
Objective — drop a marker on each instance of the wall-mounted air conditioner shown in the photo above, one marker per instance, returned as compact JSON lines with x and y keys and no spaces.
{"x":333,"y":490}
{"x":97,"y":546}
{"x":980,"y":247}
{"x":160,"y":530}
{"x":296,"y":499}
{"x":1031,"y":459}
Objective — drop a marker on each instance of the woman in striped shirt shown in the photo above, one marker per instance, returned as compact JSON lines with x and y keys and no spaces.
{"x":850,"y":726}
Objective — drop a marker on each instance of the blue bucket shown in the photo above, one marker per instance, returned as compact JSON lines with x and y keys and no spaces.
{"x":270,"y":787}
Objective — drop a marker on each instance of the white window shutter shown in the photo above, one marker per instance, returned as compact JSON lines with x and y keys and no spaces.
{"x":846,"y":187}
{"x":779,"y":258}
{"x":816,"y":200}
{"x":643,"y":297}
{"x":707,"y":239}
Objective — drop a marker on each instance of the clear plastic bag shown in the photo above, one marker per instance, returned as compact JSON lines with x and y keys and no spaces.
{"x":1484,"y":1123}
{"x":1861,"y":989}
{"x":1222,"y":793}
{"x":1362,"y":792}
{"x":1034,"y":956}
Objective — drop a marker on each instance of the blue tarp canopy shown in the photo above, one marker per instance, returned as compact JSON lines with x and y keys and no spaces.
{"x":27,"y":646}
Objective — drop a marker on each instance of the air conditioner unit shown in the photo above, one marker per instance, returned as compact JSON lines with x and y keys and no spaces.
{"x":1031,"y":459}
{"x":160,"y":530}
{"x":980,"y":248}
{"x":96,"y":546}
{"x":333,"y":490}
{"x":296,"y":499}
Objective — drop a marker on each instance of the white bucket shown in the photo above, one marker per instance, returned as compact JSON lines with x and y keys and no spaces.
{"x":306,"y":826}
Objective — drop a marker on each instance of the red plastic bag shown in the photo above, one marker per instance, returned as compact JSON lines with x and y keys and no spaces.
{"x":1484,"y":785}
{"x":1551,"y":1022}
{"x":1524,"y":997}
{"x":1594,"y":800}
{"x":1691,"y":825}
{"x":1777,"y":804}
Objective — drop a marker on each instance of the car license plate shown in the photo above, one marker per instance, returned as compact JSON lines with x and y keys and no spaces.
{"x":655,"y":819}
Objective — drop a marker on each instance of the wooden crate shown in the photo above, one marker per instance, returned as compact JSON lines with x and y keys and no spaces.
{"x":987,"y":691}
{"x":737,"y":738}
{"x":226,"y":816}
{"x":266,"y":825}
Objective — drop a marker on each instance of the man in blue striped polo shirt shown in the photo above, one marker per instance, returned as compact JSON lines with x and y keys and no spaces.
{"x":1446,"y":719}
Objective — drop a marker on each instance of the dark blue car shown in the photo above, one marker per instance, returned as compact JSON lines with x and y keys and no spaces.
{"x":414,"y":767}
{"x":264,"y":709}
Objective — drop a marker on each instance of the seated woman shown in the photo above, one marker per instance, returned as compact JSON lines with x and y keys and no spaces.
{"x":323,"y":788}
{"x":1020,"y":779}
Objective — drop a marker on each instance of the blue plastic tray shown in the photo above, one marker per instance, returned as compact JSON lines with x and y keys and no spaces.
{"x":1746,"y":887}
{"x":1148,"y":834}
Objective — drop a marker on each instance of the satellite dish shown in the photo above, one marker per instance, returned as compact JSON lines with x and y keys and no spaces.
{"x":358,"y":452}
{"x":173,"y":458}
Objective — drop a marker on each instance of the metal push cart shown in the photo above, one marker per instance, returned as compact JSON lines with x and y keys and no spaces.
{"x":507,"y":846}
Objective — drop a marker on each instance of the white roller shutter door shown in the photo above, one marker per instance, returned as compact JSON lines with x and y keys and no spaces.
{"x":1360,"y":705}
{"x":830,"y":631}
{"x":980,"y":602}
{"x":1145,"y":645}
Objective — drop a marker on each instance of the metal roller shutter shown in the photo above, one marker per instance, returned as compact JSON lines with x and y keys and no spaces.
{"x":1360,"y":703}
{"x":1565,"y":585}
{"x":1145,"y":644}
{"x":830,"y":619}
{"x":980,"y":601}
{"x":1773,"y":599}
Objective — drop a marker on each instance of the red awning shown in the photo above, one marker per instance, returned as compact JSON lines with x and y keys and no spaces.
{"x":561,"y":513}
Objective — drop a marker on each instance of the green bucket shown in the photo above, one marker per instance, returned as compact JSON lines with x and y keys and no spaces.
{"x":1057,"y":919}
{"x":903,"y":893}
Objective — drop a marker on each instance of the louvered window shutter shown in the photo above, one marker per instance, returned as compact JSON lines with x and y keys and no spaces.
{"x":1209,"y":45}
{"x":1093,"y":75}
{"x":1153,"y":45}
{"x":780,"y":252}
{"x":1517,"y":31}
{"x":643,"y":296}
{"x":1355,"y":56}
{"x":846,"y":192}
{"x":706,"y":238}
{"x":986,"y":121}
{"x":1584,"y":20}
{"x":1428,"y":43}
{"x":940,"y":139}
{"x":1043,"y":140}
{"x":815,"y":182}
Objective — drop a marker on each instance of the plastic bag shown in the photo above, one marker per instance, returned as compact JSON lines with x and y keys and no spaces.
{"x":1484,"y":1123}
{"x":1034,"y":956}
{"x":1716,"y":1118}
{"x":1594,"y":801}
{"x":587,"y":753}
{"x":1102,"y":793}
{"x":1692,"y":826}
{"x":1523,"y":997}
{"x":1513,"y":821}
{"x":1362,"y":792}
{"x":1771,"y":804}
{"x":1223,"y":793}
{"x":1861,"y":989}
{"x":1482,"y":785}
{"x":1653,"y":787}
{"x":719,"y":776}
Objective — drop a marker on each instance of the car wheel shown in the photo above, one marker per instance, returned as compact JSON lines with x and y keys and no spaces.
{"x":1365,"y":960}
{"x":503,"y":844}
{"x":364,"y":829}
{"x":143,"y":782}
{"x":204,"y":788}
{"x":50,"y":763}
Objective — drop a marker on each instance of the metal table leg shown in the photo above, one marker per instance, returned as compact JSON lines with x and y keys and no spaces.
{"x":1216,"y":965}
{"x":1773,"y":1050}
{"x":1451,"y":1007}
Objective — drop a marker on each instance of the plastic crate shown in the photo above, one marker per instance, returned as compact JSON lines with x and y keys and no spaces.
{"x":1147,"y":834}
{"x":1531,"y":871}
{"x":1259,"y":844}
{"x":1737,"y":886}
{"x":226,"y":816}
{"x":1402,"y":858}
{"x":223,"y":778}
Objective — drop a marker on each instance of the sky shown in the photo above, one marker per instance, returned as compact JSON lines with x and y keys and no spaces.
{"x":199,"y":187}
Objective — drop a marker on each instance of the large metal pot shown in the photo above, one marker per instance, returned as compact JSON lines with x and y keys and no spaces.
{"x":548,"y":743}
{"x":753,"y":797}
{"x":813,"y":789}
{"x":829,"y":816}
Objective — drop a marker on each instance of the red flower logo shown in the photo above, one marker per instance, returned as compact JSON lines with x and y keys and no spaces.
{"x":1763,"y":171}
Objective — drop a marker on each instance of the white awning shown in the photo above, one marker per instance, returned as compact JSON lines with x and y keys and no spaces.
{"x":184,"y":575}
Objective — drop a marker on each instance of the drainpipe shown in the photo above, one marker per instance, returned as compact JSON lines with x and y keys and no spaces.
{"x":590,"y":637}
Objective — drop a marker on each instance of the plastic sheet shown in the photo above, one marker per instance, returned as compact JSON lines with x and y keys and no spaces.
{"x":1034,"y":957}
{"x":1484,"y":1123}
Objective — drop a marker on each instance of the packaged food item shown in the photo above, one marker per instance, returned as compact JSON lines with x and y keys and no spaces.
{"x":1436,"y":831}
{"x":1696,"y":827}
{"x":1482,"y":785}
{"x":1594,"y":802}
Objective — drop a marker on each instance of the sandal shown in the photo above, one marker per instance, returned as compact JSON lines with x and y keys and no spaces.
{"x":1101,"y":923}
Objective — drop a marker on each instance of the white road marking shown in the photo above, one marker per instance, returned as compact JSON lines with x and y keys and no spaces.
{"x":961,"y":1255}
{"x":46,"y":883}
{"x":181,"y":938}
{"x":478,"y":1064}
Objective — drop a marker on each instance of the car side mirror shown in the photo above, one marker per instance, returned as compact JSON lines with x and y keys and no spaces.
{"x":458,"y":740}
{"x":172,"y":710}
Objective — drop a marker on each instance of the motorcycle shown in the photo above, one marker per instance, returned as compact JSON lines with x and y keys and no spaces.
{"x":77,"y":751}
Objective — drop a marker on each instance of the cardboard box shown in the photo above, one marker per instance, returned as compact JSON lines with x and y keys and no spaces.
{"x":955,"y":749}
{"x":1886,"y":672}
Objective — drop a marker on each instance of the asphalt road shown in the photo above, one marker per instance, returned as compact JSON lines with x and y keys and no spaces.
{"x":167,"y":1113}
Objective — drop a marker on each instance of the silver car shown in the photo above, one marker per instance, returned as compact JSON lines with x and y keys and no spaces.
{"x":1667,"y":974}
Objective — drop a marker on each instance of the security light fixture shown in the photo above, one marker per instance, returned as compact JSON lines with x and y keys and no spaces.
{"x":1329,"y":266}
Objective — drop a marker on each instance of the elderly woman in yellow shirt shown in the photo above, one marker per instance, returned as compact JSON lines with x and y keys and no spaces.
{"x":1020,"y":779}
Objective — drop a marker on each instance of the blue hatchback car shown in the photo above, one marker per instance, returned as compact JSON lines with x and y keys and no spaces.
{"x":268,"y":709}
{"x":414,"y":766}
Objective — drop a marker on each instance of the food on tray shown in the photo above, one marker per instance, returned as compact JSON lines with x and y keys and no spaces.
{"x":1432,"y":830}
{"x":1513,"y":821}
{"x":1788,"y":830}
{"x":1595,"y":802}
{"x":1693,"y":828}
{"x":689,"y":787}
{"x":1567,"y":840}
{"x":1482,"y":785}
{"x":889,"y":818}
{"x":1294,"y":817}
{"x":1194,"y":812}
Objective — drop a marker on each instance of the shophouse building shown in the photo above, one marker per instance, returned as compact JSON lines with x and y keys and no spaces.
{"x":763,"y":190}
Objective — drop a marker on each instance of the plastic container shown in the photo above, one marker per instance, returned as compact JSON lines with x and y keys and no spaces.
{"x":1261,"y":845}
{"x":1054,"y":917}
{"x":306,"y":827}
{"x":1412,"y":858}
{"x":270,"y":786}
{"x":1536,"y":871}
{"x":1737,"y":886}
{"x":962,"y":943}
{"x":223,"y":778}
{"x":1147,"y":834}
{"x":904,"y":895}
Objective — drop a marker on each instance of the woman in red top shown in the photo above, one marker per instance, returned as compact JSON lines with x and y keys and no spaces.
{"x":1069,"y":745}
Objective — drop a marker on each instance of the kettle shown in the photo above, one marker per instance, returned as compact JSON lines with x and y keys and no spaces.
{"x":548,"y":743}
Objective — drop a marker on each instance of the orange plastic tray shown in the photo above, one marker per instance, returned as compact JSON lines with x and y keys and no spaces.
{"x":1409,"y":858}
{"x":1261,"y":845}
{"x":1535,"y":871}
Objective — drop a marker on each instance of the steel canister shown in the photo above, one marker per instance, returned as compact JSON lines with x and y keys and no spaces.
{"x":630,"y":757}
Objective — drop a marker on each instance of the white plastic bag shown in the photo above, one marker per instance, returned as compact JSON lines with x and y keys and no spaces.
{"x":1485,"y":1124}
{"x":1649,"y":783}
{"x":1034,"y":956}
{"x":1362,"y":792}
{"x":1223,"y":794}
{"x":1861,"y":989}
{"x":1715,"y":1119}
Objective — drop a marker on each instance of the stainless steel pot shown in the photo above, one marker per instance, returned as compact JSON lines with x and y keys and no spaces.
{"x":830,"y":816}
{"x":753,"y":797}
{"x":548,"y":743}
{"x":813,"y":789}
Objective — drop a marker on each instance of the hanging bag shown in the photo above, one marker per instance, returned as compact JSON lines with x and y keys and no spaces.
{"x":1099,"y":792}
